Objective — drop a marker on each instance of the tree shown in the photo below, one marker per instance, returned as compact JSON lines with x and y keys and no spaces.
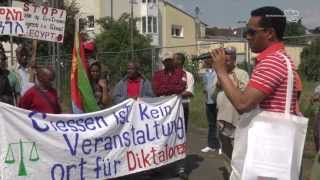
{"x":115,"y":37}
{"x":295,"y":29}
{"x":310,"y":61}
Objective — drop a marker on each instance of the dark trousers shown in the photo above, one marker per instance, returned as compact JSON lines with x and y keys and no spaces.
{"x":181,"y":164}
{"x":186,"y":115}
{"x":226,"y":145}
{"x":211,"y":111}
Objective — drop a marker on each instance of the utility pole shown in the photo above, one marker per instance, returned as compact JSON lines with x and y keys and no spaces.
{"x":197,"y":25}
{"x":11,"y":43}
{"x":241,"y":28}
{"x":111,"y":6}
{"x":245,"y":45}
{"x":131,"y":27}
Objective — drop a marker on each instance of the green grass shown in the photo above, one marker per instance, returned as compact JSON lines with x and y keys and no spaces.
{"x":197,"y":113}
{"x":309,"y":111}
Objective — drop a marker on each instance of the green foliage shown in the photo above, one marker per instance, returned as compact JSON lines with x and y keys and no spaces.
{"x":310,"y":61}
{"x":115,"y":37}
{"x":295,"y":29}
{"x":72,"y":10}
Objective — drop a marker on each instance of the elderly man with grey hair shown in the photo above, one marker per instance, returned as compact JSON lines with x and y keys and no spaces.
{"x":228,"y":117}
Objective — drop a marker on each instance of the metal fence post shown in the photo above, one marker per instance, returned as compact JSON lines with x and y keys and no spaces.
{"x":153,"y":59}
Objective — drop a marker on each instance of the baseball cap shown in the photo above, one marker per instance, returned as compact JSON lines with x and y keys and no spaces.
{"x":166,"y":55}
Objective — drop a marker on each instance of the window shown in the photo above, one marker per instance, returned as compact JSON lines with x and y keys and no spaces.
{"x":155,"y":27}
{"x":149,"y":24}
{"x":176,"y":31}
{"x":90,"y":21}
{"x":144,"y":24}
{"x":150,"y":1}
{"x":143,"y":1}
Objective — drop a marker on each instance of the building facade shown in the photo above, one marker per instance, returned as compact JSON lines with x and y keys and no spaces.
{"x":166,"y":24}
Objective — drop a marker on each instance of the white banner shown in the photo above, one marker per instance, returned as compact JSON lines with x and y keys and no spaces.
{"x":133,"y":136}
{"x":12,"y":21}
{"x":43,"y":22}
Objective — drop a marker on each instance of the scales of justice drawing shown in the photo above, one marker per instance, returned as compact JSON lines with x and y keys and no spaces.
{"x":10,"y":157}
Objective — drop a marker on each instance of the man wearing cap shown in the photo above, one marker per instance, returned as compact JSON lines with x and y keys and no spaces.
{"x":170,"y":80}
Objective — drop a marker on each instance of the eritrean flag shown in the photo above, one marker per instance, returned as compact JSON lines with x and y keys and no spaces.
{"x":82,"y":96}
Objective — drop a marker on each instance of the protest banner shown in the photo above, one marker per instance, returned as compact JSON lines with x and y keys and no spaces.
{"x":133,"y":136}
{"x":12,"y":21}
{"x":43,"y":22}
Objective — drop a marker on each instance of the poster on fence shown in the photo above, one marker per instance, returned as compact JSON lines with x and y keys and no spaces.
{"x":133,"y":136}
{"x":12,"y":21}
{"x":43,"y":22}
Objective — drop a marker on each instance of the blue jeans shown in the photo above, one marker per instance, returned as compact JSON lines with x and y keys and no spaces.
{"x":211,"y":110}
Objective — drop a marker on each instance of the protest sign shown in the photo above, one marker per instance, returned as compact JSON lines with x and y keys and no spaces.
{"x":12,"y":21}
{"x":133,"y":136}
{"x":43,"y":22}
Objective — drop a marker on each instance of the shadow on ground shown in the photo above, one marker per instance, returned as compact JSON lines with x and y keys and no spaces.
{"x":166,"y":172}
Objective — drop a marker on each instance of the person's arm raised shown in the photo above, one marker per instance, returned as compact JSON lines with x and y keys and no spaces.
{"x":242,"y":101}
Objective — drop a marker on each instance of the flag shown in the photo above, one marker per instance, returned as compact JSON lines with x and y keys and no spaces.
{"x":82,"y":97}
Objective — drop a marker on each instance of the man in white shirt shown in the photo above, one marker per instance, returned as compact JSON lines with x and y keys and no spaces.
{"x":24,"y":69}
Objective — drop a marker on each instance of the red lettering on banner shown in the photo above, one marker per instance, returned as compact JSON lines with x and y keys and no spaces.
{"x":11,"y":14}
{"x":54,"y":12}
{"x":131,"y":164}
{"x":2,"y":11}
{"x":144,"y":160}
{"x":45,"y":10}
{"x":18,"y":14}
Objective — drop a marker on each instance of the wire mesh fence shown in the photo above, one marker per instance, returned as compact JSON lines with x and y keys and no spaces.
{"x":114,"y":64}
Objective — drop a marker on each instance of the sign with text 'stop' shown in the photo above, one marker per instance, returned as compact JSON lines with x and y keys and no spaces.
{"x":43,"y":22}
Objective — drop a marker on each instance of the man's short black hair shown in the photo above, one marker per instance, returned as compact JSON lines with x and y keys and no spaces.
{"x":272,"y":17}
{"x":23,"y":50}
{"x":181,"y":57}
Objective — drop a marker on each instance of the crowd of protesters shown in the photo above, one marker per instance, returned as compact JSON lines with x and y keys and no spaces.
{"x":228,"y":90}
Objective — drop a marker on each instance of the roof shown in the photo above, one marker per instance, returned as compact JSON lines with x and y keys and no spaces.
{"x":174,"y":6}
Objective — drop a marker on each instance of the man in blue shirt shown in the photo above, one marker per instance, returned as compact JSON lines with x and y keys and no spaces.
{"x":209,"y":81}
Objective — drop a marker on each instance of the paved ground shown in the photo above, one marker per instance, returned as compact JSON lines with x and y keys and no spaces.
{"x":200,"y":166}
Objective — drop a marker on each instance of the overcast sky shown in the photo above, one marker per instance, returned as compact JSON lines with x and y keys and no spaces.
{"x":226,"y":13}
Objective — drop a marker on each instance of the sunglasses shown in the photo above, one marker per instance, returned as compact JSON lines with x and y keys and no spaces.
{"x":252,"y":32}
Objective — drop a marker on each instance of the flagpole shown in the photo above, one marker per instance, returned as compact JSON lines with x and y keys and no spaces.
{"x":77,"y":18}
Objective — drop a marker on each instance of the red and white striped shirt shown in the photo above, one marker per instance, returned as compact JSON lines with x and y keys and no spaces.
{"x":270,"y":76}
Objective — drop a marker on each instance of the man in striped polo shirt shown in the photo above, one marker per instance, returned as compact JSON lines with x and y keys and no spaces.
{"x":268,"y":83}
